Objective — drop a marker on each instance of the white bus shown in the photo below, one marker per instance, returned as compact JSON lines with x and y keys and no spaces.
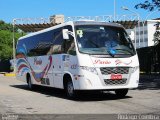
{"x":78,"y":56}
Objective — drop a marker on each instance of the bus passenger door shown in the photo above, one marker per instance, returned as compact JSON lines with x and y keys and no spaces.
{"x":57,"y":71}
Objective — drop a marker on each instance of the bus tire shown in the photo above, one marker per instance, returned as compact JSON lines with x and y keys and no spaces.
{"x":29,"y":82}
{"x":120,"y":93}
{"x":69,"y":88}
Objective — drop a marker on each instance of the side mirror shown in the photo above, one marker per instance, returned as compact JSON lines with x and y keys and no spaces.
{"x":65,"y":34}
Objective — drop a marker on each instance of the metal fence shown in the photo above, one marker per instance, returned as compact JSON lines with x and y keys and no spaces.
{"x":149,"y":59}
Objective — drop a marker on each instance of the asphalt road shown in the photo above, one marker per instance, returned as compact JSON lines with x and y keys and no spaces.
{"x":16,"y":98}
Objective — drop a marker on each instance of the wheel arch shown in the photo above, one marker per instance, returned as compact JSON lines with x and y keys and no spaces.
{"x":66,"y":77}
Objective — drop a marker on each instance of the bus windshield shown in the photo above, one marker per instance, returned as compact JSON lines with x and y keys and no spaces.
{"x":103,"y":40}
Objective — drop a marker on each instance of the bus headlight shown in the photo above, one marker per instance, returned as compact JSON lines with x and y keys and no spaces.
{"x":135,"y":68}
{"x":90,"y":69}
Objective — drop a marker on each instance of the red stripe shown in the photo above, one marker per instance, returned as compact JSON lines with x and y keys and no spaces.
{"x":22,"y":66}
{"x":50,"y":58}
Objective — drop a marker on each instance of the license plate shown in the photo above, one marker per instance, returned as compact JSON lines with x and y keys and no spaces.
{"x":116,"y":77}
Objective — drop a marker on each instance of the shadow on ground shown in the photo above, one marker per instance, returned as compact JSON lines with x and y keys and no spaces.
{"x":149,"y":82}
{"x":83,"y":96}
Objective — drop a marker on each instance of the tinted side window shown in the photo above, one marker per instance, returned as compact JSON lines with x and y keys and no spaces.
{"x":20,"y":50}
{"x":40,"y":44}
{"x":47,"y":43}
{"x":57,"y":46}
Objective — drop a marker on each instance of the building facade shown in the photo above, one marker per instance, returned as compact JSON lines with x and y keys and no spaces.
{"x":143,"y":34}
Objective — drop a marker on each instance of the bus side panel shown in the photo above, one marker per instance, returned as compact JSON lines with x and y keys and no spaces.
{"x":70,"y":66}
{"x":41,"y":70}
{"x":22,"y":68}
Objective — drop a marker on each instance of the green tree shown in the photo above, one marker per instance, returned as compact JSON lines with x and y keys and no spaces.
{"x":149,"y":5}
{"x":6,"y":40}
{"x":5,"y":51}
{"x":7,"y":26}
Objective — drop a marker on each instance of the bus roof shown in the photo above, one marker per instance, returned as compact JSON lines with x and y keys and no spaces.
{"x":97,"y":23}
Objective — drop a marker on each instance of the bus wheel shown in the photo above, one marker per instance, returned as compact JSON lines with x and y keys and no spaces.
{"x":121,"y":92}
{"x":29,"y":82}
{"x":71,"y":93}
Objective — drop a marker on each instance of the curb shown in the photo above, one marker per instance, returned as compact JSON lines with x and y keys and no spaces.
{"x":10,"y":74}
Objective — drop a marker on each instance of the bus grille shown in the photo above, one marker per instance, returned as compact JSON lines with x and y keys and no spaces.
{"x":115,"y":82}
{"x":113,"y":70}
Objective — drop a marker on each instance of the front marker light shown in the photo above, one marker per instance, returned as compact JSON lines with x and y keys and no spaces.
{"x":90,"y":69}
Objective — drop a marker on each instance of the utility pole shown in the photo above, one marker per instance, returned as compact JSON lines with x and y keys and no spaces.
{"x":114,"y":10}
{"x":139,"y":39}
{"x":14,"y":55}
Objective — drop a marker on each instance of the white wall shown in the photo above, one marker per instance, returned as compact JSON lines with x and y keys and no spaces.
{"x":151,"y":31}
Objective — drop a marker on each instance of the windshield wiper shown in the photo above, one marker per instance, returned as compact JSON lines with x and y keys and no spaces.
{"x":109,"y":52}
{"x":126,"y":50}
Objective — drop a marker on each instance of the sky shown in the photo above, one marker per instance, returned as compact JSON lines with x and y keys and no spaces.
{"x":10,"y":9}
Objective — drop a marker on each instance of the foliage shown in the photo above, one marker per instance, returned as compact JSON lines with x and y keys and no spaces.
{"x":5,"y":51}
{"x":6,"y":40}
{"x":149,"y":5}
{"x":7,"y":26}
